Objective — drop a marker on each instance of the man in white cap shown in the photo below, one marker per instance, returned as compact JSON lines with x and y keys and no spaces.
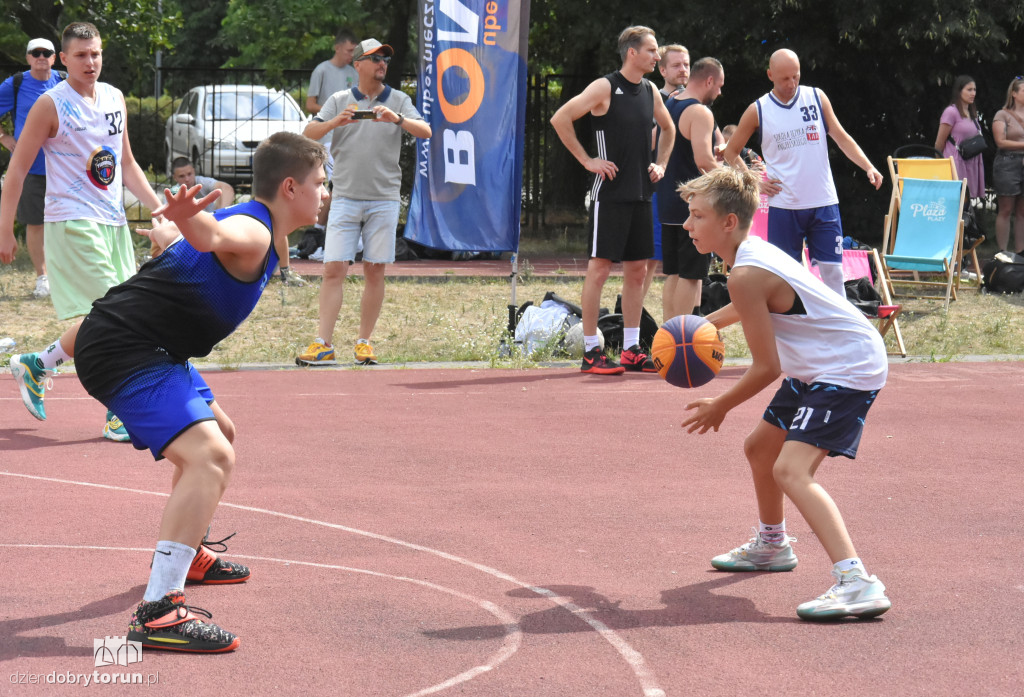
{"x":17,"y":95}
{"x":367,"y":121}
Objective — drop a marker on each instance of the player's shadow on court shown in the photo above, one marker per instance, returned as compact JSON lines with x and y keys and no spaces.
{"x":28,"y":439}
{"x":688,"y":605}
{"x":19,"y":645}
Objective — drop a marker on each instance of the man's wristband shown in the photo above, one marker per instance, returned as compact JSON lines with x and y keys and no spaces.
{"x":401,"y":118}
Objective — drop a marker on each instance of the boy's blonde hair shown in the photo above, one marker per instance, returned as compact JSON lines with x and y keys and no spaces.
{"x":284,"y":155}
{"x":728,"y":190}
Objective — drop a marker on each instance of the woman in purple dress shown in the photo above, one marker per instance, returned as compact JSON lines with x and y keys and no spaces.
{"x":959,"y":122}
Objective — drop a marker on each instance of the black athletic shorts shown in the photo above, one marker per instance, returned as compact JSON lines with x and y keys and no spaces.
{"x":678,"y":255}
{"x":621,"y":231}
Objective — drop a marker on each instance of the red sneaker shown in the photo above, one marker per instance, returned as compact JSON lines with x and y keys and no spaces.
{"x":634,"y":359}
{"x":208,"y":567}
{"x":594,"y":361}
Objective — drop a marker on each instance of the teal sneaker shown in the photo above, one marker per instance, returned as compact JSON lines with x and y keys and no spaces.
{"x":114,"y":430}
{"x":33,"y":381}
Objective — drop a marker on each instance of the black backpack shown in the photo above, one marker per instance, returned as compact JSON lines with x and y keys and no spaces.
{"x":1003,"y":274}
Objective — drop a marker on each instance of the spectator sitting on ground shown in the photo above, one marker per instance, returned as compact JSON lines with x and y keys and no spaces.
{"x":184,"y":174}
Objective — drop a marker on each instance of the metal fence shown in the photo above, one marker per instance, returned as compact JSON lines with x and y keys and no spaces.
{"x":216,"y":117}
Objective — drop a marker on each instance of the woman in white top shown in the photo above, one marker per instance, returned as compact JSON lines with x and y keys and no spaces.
{"x":1008,"y":167}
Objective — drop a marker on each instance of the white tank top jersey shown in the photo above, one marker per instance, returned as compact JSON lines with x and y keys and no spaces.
{"x":832,"y":342}
{"x":83,"y":161}
{"x":794,"y":144}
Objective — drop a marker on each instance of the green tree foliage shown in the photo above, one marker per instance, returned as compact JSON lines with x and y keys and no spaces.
{"x":279,"y":35}
{"x":132,"y":31}
{"x":887,"y":67}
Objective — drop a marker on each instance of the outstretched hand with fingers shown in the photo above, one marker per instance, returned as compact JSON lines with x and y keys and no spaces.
{"x":183,"y":204}
{"x":708,"y":415}
{"x":160,"y":235}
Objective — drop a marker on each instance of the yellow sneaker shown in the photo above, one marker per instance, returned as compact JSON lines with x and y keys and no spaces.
{"x":318,"y":353}
{"x":364,"y":354}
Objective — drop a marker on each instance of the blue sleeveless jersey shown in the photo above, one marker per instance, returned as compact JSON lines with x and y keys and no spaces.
{"x":184,"y":301}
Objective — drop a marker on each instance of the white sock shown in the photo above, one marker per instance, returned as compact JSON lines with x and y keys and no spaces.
{"x":776,"y":534}
{"x":851,"y":563}
{"x":591,"y":342}
{"x":630,"y":337}
{"x":53,"y":356}
{"x":318,"y":226}
{"x":170,"y":567}
{"x":320,"y":340}
{"x":363,"y":341}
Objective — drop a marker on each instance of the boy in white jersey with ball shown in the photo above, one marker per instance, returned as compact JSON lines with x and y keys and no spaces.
{"x":791,"y":322}
{"x":81,"y":124}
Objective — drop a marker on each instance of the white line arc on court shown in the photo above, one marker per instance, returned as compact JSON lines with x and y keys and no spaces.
{"x":632,"y":657}
{"x":509,"y":645}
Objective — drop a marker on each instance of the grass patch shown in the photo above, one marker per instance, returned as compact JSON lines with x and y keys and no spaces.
{"x":465,"y":319}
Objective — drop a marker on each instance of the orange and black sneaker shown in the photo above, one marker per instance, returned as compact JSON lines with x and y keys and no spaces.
{"x":634,"y":359}
{"x":172,"y":625}
{"x":594,"y":361}
{"x":209,"y":568}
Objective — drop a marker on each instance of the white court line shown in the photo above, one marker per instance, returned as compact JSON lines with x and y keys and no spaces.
{"x":513,"y":634}
{"x":632,"y":657}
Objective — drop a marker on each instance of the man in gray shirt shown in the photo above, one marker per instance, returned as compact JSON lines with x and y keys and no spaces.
{"x":367,"y":122}
{"x":331,"y":76}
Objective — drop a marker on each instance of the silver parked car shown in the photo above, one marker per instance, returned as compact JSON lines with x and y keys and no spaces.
{"x":218,"y":127}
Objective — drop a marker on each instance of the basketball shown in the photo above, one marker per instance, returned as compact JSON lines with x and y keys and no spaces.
{"x":688,"y":351}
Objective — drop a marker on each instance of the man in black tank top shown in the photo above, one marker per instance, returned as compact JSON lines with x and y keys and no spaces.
{"x":693,"y":154}
{"x":622,"y":105}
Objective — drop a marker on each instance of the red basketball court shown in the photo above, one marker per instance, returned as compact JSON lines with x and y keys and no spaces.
{"x":491,"y":532}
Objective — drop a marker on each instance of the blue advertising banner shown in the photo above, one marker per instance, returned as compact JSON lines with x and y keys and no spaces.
{"x":472,"y":90}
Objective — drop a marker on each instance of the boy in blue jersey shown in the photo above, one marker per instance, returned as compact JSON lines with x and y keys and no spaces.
{"x":792,"y":322}
{"x":133,"y":349}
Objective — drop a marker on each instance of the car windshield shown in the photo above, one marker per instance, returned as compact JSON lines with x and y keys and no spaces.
{"x":258,"y":106}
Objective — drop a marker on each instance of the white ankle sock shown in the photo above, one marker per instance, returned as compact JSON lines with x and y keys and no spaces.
{"x":851,"y":563}
{"x":591,"y":342}
{"x":630,"y":337}
{"x":170,"y":567}
{"x":53,"y":356}
{"x":775,"y":534}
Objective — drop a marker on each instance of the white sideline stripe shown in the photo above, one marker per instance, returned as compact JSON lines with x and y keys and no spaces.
{"x":644,"y":675}
{"x":509,"y":645}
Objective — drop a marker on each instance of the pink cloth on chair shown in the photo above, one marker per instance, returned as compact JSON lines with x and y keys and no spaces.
{"x":759,"y":225}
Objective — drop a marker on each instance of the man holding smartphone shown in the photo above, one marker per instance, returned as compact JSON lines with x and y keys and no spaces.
{"x":367,"y":122}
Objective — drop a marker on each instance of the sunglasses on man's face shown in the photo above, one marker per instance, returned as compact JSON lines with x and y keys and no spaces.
{"x":40,"y":53}
{"x":377,"y":59}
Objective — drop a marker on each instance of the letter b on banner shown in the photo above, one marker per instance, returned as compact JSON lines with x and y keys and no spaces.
{"x":459,"y":157}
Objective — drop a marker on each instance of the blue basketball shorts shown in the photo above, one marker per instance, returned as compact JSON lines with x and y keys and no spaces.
{"x":826,"y":416}
{"x":159,"y":402}
{"x":821,"y":227}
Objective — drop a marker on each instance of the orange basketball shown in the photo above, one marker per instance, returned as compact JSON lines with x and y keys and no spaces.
{"x":688,"y":351}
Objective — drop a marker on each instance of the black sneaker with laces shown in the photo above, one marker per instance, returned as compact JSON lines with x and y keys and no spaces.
{"x":634,"y":359}
{"x":210,"y":568}
{"x":594,"y":361}
{"x":172,"y":625}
